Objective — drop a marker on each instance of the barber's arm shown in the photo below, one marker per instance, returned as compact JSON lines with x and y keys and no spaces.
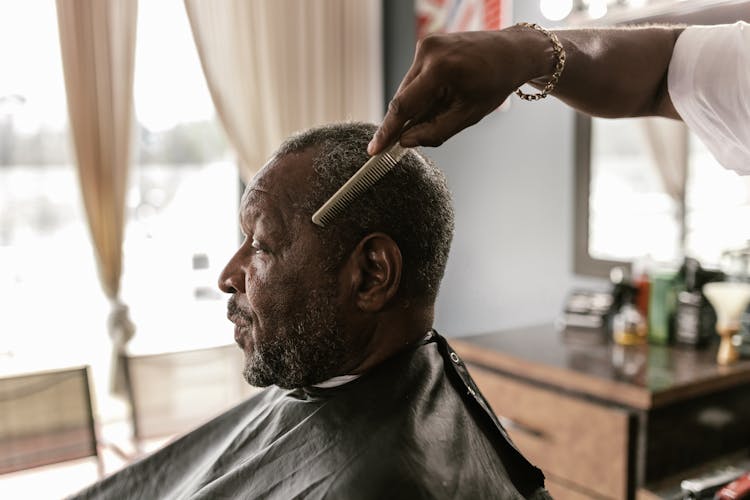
{"x":457,"y":79}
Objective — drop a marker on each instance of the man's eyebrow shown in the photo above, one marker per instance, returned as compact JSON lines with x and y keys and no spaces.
{"x":266,"y":226}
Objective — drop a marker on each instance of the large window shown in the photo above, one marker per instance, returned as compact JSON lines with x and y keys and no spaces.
{"x":51,"y":300}
{"x":638,"y":194}
{"x":631,"y":214}
{"x":636,"y":198}
{"x":718,"y":206}
{"x":181,"y":202}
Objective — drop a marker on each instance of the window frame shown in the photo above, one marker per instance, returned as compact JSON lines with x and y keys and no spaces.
{"x":705,"y":12}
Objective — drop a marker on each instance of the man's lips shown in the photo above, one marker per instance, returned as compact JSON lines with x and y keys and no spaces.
{"x":241,"y":319}
{"x":237,"y":315}
{"x":239,"y":338}
{"x":237,"y":320}
{"x":240,"y":325}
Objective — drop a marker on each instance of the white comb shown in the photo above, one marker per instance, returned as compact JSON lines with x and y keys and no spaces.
{"x":370,"y":173}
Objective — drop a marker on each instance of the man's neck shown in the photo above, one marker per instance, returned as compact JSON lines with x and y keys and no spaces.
{"x":392,"y":333}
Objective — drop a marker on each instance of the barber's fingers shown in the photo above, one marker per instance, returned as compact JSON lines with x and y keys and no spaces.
{"x":415,"y":99}
{"x":414,"y":71}
{"x":387,"y":130}
{"x":441,"y":128}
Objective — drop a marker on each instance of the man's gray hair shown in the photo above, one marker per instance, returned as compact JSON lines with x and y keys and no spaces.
{"x":411,"y":203}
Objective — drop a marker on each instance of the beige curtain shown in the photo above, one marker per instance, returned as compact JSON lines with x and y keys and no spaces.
{"x":668,"y":146}
{"x":277,"y":66}
{"x":97,"y":39}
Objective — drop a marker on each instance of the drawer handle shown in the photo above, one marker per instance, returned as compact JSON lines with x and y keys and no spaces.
{"x":517,"y":426}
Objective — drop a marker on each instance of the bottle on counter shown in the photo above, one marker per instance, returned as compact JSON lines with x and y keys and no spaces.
{"x":661,"y":306}
{"x":694,"y":317}
{"x":642,"y":283}
{"x":735,"y":263}
{"x":618,"y":277}
{"x":628,"y":324}
{"x":628,"y":327}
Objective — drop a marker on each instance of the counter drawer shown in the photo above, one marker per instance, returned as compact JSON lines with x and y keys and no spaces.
{"x":567,"y":437}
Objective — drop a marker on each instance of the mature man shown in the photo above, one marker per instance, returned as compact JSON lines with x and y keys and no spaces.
{"x":363,"y":399}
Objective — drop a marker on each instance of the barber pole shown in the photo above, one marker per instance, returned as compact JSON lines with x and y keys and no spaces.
{"x":447,"y":16}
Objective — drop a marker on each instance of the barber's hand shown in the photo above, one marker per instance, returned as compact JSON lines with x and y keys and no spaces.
{"x":457,"y":79}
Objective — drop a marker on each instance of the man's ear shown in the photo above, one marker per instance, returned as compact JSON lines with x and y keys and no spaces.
{"x":374,"y":272}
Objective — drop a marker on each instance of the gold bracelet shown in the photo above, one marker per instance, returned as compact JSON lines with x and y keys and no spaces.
{"x":559,"y":52}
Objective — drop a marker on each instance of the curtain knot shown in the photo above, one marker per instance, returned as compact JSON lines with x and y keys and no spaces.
{"x":121,"y":328}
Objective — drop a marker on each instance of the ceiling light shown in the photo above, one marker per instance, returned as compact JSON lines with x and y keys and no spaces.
{"x":597,"y":8}
{"x":555,"y":10}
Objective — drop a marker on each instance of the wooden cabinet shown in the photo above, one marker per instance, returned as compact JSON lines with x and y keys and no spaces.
{"x":602,"y":428}
{"x":566,"y":437}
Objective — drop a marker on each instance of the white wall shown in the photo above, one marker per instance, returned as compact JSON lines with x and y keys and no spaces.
{"x":512,"y":181}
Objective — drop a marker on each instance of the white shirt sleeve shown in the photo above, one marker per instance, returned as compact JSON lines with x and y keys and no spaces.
{"x":709,"y":84}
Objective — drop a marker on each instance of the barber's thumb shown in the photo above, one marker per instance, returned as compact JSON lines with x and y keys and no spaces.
{"x":371,"y":146}
{"x":376,"y":143}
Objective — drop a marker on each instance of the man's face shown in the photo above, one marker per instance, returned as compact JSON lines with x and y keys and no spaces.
{"x":284,"y":304}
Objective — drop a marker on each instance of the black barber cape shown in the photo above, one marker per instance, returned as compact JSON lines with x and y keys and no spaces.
{"x":416,"y":426}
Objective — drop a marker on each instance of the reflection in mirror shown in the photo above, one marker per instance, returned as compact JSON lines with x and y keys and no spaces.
{"x":648,"y":187}
{"x":718,"y":206}
{"x":637,"y":187}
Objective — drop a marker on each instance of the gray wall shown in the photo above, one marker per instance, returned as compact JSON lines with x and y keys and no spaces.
{"x":512,"y":181}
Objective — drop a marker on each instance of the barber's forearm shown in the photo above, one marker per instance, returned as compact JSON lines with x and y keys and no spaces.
{"x":456,"y":79}
{"x":617,"y":72}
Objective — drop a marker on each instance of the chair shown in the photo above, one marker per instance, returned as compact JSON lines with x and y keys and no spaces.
{"x":172,"y":393}
{"x":46,"y":418}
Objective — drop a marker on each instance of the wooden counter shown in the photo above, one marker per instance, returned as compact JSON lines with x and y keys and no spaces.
{"x":544,"y":355}
{"x":603,"y":421}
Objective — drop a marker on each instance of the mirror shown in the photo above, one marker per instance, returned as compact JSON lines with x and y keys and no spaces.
{"x":648,"y":187}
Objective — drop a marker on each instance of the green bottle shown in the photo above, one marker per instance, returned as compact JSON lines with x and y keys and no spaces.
{"x":661,"y":307}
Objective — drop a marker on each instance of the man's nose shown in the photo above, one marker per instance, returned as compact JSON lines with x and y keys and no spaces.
{"x":232,"y":278}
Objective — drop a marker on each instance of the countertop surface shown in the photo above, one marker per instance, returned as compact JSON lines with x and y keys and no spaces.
{"x":643,"y":377}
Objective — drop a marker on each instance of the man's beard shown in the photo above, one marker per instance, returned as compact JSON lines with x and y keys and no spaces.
{"x":301,"y":348}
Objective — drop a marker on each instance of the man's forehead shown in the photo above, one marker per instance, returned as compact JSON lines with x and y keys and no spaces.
{"x":284,"y":183}
{"x":289,"y":175}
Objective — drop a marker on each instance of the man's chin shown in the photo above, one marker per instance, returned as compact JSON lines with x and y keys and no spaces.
{"x":256,"y":378}
{"x":259,"y":374}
